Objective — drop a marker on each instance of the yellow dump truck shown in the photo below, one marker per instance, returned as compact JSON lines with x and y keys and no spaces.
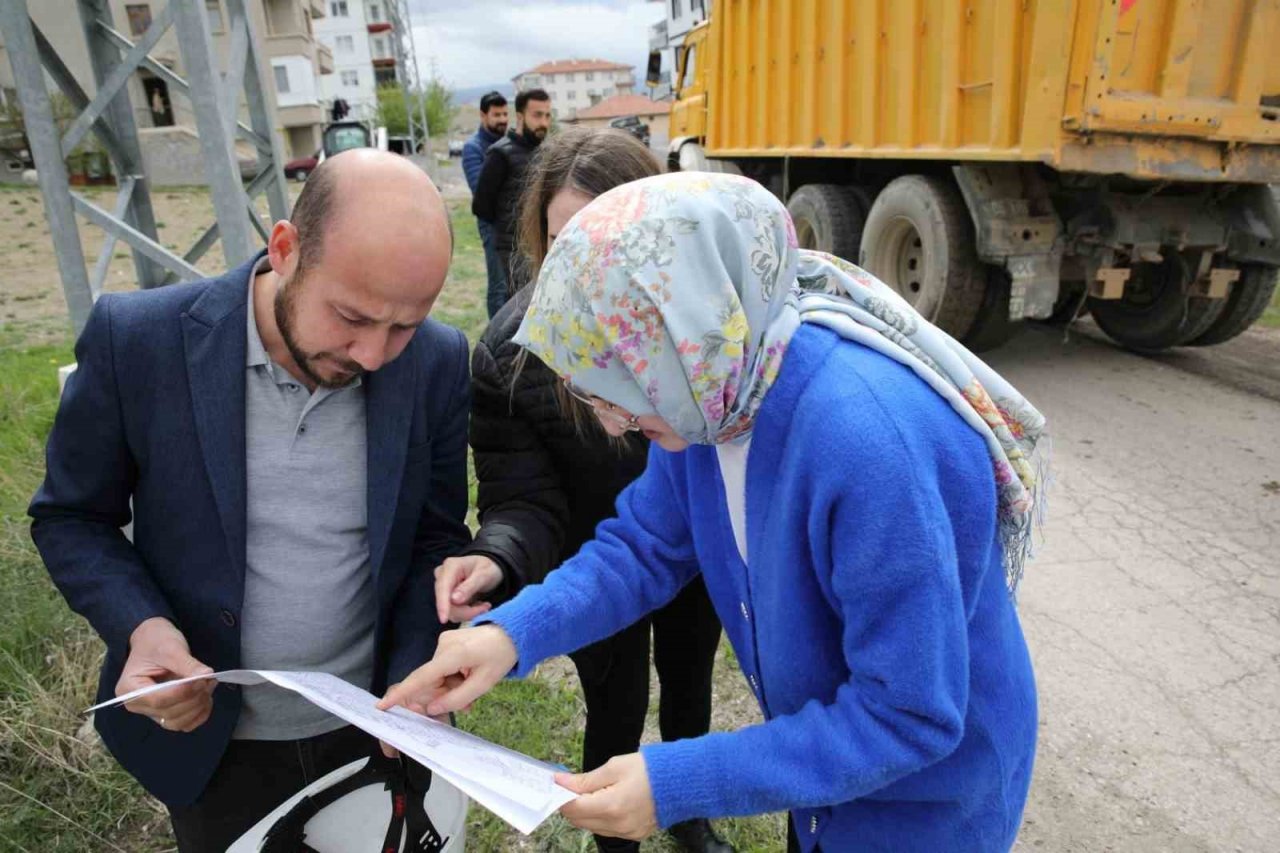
{"x":995,"y":160}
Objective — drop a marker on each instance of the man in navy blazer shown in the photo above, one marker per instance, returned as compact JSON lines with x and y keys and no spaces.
{"x":289,"y":441}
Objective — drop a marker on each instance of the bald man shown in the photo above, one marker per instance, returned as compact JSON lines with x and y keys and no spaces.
{"x":292,"y":437}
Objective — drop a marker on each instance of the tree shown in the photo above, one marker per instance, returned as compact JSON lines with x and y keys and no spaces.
{"x":393,"y":111}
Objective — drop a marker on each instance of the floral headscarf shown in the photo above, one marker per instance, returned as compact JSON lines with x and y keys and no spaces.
{"x":677,"y":295}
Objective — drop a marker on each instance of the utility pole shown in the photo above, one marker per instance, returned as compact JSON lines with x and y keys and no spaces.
{"x":215,"y":101}
{"x":411,"y":84}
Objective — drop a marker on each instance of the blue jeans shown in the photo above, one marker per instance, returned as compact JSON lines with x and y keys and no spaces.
{"x":496,"y":295}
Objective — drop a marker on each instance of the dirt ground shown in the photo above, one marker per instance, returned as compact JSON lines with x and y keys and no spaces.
{"x":31,"y":297}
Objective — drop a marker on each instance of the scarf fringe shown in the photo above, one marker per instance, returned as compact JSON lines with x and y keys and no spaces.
{"x":1018,"y":533}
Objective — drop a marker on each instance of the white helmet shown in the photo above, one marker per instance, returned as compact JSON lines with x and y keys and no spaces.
{"x":376,"y":804}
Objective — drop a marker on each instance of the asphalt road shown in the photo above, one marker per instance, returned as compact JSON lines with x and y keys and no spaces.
{"x":1153,"y":606}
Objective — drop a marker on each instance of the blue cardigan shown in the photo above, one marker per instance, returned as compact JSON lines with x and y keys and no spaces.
{"x":872,"y":624}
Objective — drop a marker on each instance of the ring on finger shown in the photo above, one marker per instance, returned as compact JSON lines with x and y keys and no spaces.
{"x":162,"y":722}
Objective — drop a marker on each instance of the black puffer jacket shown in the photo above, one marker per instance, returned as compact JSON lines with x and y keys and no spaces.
{"x":543,"y":486}
{"x":497,"y":195}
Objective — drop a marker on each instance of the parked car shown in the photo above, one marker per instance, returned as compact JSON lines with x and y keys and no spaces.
{"x":400,"y":145}
{"x":456,"y":146}
{"x":633,"y":126}
{"x":299,"y":169}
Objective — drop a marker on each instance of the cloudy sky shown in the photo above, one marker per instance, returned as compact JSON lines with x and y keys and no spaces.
{"x":478,"y":42}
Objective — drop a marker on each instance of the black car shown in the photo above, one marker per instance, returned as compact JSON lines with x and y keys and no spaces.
{"x":633,"y":126}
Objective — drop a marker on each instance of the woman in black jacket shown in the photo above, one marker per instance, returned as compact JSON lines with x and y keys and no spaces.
{"x":549,"y":474}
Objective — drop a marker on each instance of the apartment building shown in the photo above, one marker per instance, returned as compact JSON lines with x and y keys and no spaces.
{"x":666,"y":38}
{"x":575,"y":84}
{"x":350,"y":29}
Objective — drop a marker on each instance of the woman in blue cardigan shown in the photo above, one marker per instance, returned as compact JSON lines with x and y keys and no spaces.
{"x":858,"y":493}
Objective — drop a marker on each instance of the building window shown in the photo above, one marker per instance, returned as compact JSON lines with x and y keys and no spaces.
{"x":282,"y":79}
{"x":213,"y":9}
{"x":338,"y":9}
{"x":569,"y":77}
{"x":572,"y":95}
{"x":380,"y":48}
{"x":675,"y":8}
{"x":589,"y":76}
{"x":531,"y":80}
{"x":375,"y":13}
{"x":345,"y":44}
{"x":351,"y":79}
{"x":139,"y":17}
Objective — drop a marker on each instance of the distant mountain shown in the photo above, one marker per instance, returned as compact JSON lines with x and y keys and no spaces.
{"x":472,"y":94}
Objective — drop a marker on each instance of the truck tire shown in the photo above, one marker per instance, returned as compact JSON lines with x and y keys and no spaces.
{"x":1248,"y":299}
{"x":829,"y":218}
{"x":1153,"y":313}
{"x":918,"y":239}
{"x":993,"y":328}
{"x":1201,"y":315}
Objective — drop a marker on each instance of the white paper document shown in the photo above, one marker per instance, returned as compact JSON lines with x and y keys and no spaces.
{"x":519,"y":789}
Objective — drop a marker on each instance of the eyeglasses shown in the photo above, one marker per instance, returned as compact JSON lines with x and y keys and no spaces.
{"x":604,"y":410}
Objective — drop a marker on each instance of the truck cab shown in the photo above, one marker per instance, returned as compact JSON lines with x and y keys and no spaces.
{"x":689,"y":85}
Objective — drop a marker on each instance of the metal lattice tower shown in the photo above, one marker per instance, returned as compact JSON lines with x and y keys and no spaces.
{"x":215,"y":102}
{"x":408,"y":76}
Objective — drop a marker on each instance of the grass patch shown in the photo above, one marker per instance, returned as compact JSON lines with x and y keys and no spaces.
{"x":59,"y":790}
{"x":1271,"y":317}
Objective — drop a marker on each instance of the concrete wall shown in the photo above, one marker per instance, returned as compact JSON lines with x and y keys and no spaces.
{"x":659,"y":127}
{"x":301,"y":74}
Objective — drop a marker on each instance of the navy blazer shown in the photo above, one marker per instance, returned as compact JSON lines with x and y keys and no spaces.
{"x":155,"y":412}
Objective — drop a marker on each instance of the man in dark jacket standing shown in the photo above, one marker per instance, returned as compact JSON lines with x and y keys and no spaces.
{"x":497,"y":193}
{"x":290,"y":443}
{"x":493,"y":126}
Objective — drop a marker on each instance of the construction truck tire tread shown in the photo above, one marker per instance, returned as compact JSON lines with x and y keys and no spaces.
{"x":1247,"y":301}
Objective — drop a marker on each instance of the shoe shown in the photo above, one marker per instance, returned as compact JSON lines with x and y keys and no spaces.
{"x":697,"y":836}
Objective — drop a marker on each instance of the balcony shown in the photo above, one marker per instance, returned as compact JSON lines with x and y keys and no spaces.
{"x":292,"y":44}
{"x":658,"y":35}
{"x":379,"y":26}
{"x":301,"y":115}
{"x":301,"y":44}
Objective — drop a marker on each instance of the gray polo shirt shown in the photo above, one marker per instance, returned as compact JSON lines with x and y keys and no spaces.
{"x":308,"y":597}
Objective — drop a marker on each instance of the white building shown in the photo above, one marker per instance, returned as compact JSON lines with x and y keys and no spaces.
{"x":576,"y":84}
{"x":666,"y":38}
{"x":346,"y":32}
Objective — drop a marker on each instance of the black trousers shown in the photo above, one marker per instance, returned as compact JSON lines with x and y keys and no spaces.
{"x":615,"y":678}
{"x":253,"y":778}
{"x":793,"y":840}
